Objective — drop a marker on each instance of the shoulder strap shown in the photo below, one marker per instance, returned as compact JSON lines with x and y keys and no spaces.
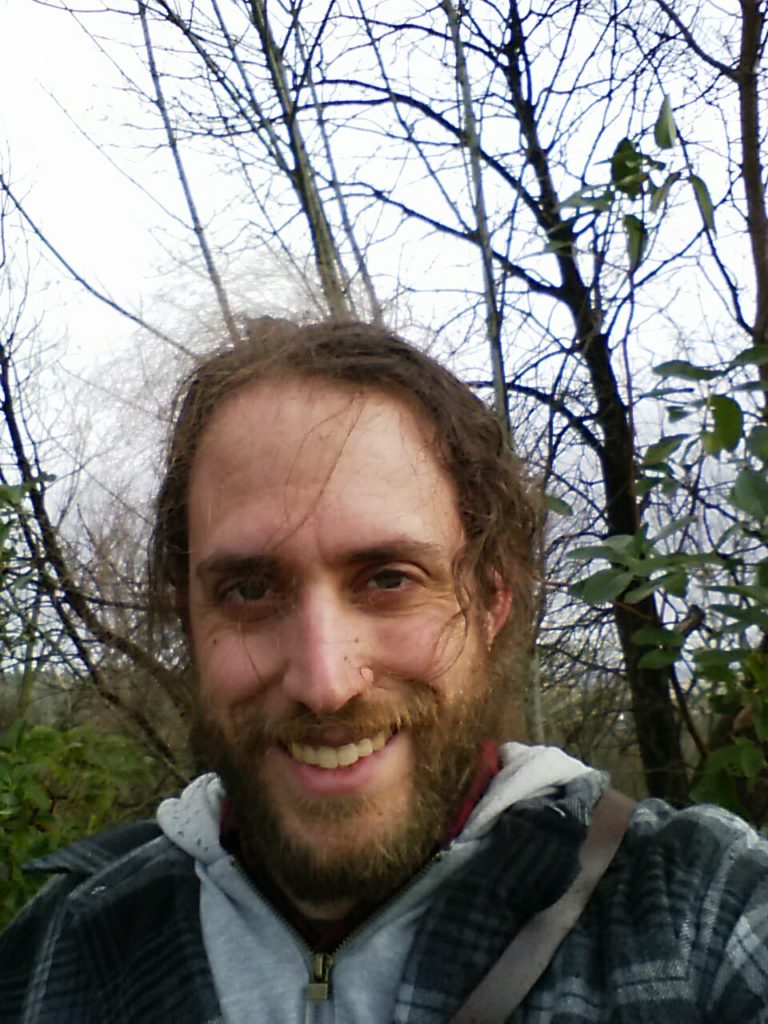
{"x":526,"y":958}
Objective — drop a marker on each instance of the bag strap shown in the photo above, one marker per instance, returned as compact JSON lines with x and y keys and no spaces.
{"x":527,"y":956}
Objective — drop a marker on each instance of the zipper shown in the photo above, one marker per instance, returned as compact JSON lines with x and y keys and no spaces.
{"x":319,"y":985}
{"x":317,"y":991}
{"x":318,"y":988}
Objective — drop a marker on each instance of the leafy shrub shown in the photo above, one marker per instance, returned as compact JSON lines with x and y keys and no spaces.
{"x":57,"y":786}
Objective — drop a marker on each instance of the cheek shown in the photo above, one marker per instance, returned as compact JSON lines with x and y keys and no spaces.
{"x":231,"y":665}
{"x":422,"y":647}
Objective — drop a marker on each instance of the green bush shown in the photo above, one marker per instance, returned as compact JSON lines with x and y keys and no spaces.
{"x":57,"y":786}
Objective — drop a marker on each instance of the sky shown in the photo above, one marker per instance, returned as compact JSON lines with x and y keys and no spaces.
{"x":70,"y":167}
{"x":59,"y":91}
{"x":61,"y":98}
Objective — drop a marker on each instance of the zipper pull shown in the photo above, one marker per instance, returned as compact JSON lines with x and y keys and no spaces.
{"x":319,"y":986}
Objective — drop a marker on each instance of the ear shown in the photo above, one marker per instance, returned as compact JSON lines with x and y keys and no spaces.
{"x":498,"y":611}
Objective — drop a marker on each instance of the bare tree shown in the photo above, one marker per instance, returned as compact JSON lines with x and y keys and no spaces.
{"x":516,"y":168}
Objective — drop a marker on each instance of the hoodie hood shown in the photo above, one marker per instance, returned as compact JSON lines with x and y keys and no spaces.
{"x":191,"y":821}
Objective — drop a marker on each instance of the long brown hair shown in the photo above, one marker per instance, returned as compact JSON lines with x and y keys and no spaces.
{"x":493,"y":498}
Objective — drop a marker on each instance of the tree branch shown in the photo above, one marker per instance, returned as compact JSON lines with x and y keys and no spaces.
{"x":5,"y":188}
{"x":197,"y":226}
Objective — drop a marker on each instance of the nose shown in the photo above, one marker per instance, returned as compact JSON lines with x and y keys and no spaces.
{"x":325,"y":662}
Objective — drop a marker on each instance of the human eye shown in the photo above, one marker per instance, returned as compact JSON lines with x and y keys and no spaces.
{"x":248,"y":591}
{"x":388,"y":579}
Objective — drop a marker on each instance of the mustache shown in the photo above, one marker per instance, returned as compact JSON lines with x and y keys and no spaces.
{"x":357,"y":719}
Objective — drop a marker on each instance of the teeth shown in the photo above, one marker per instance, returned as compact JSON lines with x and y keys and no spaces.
{"x":347,"y":755}
{"x":327,"y":757}
{"x":338,"y":757}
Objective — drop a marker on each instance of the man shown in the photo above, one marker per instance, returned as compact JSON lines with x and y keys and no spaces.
{"x":348,"y":544}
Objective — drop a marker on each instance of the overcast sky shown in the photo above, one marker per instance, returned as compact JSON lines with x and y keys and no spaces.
{"x":62,"y":101}
{"x":57,"y":91}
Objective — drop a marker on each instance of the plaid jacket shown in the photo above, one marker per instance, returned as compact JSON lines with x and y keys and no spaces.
{"x":676,"y":933}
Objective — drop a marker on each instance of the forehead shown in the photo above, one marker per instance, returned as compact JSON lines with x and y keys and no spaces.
{"x":290,"y":456}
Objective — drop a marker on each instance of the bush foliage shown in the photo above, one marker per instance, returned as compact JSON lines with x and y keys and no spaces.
{"x":57,"y":786}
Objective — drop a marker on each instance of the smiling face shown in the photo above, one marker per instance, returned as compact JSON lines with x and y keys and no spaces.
{"x":342,"y":685}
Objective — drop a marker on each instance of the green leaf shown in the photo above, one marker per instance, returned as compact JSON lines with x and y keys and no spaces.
{"x":661,"y":450}
{"x":659,"y":195}
{"x":649,"y":635}
{"x":744,"y":615}
{"x":725,"y":703}
{"x":751,"y":759}
{"x":756,"y":666}
{"x":658,"y":659}
{"x":646,"y":484}
{"x":586,"y":197}
{"x":670,"y":485}
{"x":658,"y":636}
{"x":672,"y":582}
{"x":760,"y":720}
{"x":750,"y":494}
{"x":677,"y":413}
{"x":665,"y":129}
{"x":14,"y":737}
{"x":704,"y":201}
{"x":716,"y":787}
{"x":615,"y":548}
{"x":603,"y":586}
{"x":757,"y":592}
{"x":637,"y":240}
{"x":728,"y":425}
{"x":627,"y":173}
{"x":724,"y":759}
{"x":682,"y":368}
{"x":589,"y":551}
{"x":757,"y":443}
{"x":757,"y":355}
{"x":672,"y":528}
{"x":751,"y":386}
{"x":557,"y":505}
{"x":11,"y":494}
{"x":36,"y":794}
{"x":642,"y":591}
{"x":664,"y":391}
{"x":712,"y":657}
{"x":627,"y":543}
{"x":675,"y":583}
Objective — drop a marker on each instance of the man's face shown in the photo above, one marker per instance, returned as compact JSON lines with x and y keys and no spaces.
{"x":343,"y":693}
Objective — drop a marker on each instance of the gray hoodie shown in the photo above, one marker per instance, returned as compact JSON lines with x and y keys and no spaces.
{"x":242,"y":930}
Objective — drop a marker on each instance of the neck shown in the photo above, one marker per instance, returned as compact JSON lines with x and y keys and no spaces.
{"x":326,"y":913}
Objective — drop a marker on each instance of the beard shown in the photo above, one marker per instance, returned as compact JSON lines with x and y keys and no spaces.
{"x":445,"y":734}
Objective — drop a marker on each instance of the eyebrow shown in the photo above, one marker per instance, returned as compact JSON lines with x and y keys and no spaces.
{"x":226,"y":564}
{"x":395,"y":550}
